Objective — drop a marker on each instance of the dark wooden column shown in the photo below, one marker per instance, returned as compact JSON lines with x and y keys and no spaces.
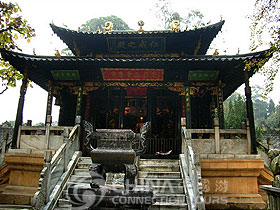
{"x":49,"y":101}
{"x":183,"y":106}
{"x":19,"y":115}
{"x":79,"y":104}
{"x":212,"y":109}
{"x":188,"y":106}
{"x":220,"y":105}
{"x":149,"y":104}
{"x":250,"y":113}
{"x":121,"y":109}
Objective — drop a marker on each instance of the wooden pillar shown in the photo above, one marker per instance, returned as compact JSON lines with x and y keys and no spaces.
{"x":149,"y":104}
{"x":188,"y":106}
{"x":79,"y":103}
{"x":220,"y":100}
{"x":49,"y":101}
{"x":250,"y":113}
{"x":121,"y":108}
{"x":212,"y":110}
{"x":183,"y":102}
{"x":19,"y":116}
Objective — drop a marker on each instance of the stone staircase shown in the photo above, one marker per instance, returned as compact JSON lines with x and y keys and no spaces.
{"x":162,"y":175}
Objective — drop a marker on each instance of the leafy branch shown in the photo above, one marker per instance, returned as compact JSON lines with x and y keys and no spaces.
{"x":12,"y":27}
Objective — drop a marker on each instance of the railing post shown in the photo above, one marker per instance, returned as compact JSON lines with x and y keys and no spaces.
{"x":48,"y":127}
{"x":47,"y":163}
{"x":217,"y":136}
{"x":183,"y":125}
{"x":65,"y":140}
{"x":78,"y":120}
{"x":4,"y":144}
{"x":248,"y":136}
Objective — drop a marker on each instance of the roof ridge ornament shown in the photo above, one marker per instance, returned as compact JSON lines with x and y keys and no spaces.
{"x":175,"y":26}
{"x":108,"y":27}
{"x":141,"y":24}
{"x":98,"y":30}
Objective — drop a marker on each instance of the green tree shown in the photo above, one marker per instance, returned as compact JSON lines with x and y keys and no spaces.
{"x":235,"y":111}
{"x":273,"y":121}
{"x":271,"y":107}
{"x":163,"y":12}
{"x":94,"y":23}
{"x":265,"y":31}
{"x":12,"y":27}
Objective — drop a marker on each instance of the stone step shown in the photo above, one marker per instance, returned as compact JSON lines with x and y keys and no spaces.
{"x":85,"y":161}
{"x":169,"y":189}
{"x":167,"y":206}
{"x":160,"y":167}
{"x":159,"y":174}
{"x":83,"y":165}
{"x":171,"y":198}
{"x":14,"y":207}
{"x":158,"y":161}
{"x":85,"y":158}
{"x":81,"y":171}
{"x":63,"y":204}
{"x":160,"y":182}
{"x":76,"y":183}
{"x":80,"y":179}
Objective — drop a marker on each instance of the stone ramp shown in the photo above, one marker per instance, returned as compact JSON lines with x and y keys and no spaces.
{"x":162,"y":175}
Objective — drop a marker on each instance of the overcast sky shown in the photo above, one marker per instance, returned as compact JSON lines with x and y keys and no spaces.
{"x":73,"y":13}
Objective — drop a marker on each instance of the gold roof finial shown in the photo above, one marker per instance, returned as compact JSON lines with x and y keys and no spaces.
{"x":216,"y":52}
{"x":175,"y":26}
{"x":108,"y":27}
{"x":57,"y":54}
{"x":141,"y":24}
{"x":98,"y":30}
{"x":88,"y":29}
{"x":79,"y":29}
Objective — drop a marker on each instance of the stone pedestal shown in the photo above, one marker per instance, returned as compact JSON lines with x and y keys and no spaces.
{"x":232,"y":183}
{"x":24,"y":176}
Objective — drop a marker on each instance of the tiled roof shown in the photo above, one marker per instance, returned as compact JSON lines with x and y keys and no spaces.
{"x":190,"y":42}
{"x":230,"y":67}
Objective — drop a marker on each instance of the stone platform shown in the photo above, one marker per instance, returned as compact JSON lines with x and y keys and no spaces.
{"x":232,"y":183}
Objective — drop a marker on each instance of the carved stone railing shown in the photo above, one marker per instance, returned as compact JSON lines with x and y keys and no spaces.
{"x":221,"y":141}
{"x":191,"y":173}
{"x":40,"y":137}
{"x":57,"y":169}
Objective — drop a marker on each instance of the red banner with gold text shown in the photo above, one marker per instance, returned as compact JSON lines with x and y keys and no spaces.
{"x":123,"y":74}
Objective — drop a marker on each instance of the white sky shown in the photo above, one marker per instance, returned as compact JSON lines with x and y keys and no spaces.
{"x":73,"y":13}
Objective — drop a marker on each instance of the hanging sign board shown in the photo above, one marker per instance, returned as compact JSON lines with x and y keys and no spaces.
{"x":125,"y":74}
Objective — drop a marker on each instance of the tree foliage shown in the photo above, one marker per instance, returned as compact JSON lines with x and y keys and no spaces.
{"x":273,"y":121}
{"x":265,"y":31}
{"x":235,"y":111}
{"x":164,"y":13}
{"x":94,"y":23}
{"x":13,"y":26}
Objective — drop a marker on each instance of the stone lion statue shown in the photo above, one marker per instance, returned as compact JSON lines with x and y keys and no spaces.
{"x":274,"y":155}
